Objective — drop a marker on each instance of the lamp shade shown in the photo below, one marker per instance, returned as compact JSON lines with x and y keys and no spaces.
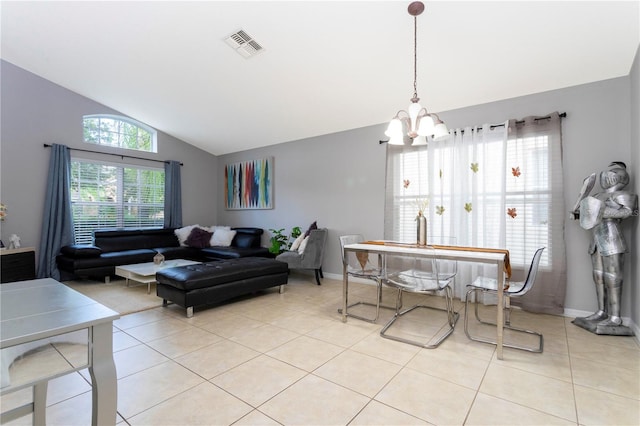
{"x":394,"y":129}
{"x":419,"y":140}
{"x":414,"y":111}
{"x":426,"y":128}
{"x":396,"y":140}
{"x":440,"y":131}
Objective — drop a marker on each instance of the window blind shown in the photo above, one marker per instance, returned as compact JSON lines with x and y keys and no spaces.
{"x":108,"y":195}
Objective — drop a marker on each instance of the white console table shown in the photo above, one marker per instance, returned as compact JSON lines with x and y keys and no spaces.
{"x":44,"y":315}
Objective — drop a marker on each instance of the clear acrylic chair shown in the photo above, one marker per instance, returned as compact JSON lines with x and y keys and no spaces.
{"x":423,"y":275}
{"x":360,"y":265}
{"x":515,"y":289}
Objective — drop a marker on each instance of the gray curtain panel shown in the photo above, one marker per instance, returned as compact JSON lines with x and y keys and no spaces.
{"x":57,"y":220}
{"x":548,"y":293}
{"x":172,"y":195}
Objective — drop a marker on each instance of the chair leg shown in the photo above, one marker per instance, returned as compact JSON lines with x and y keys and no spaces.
{"x":452,"y":319}
{"x":377,"y":305}
{"x":507,"y":325}
{"x":318,"y":274}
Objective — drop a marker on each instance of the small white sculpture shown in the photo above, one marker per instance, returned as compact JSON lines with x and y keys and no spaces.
{"x":15,"y":241}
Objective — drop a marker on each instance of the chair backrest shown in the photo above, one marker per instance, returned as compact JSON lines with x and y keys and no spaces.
{"x":349,"y":239}
{"x":360,"y":262}
{"x":417,"y":273}
{"x":314,"y":251}
{"x":533,"y":271}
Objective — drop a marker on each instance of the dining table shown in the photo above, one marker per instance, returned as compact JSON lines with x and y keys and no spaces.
{"x":494,"y":256}
{"x":48,"y":330}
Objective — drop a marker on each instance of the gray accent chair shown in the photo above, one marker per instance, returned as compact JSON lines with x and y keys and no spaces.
{"x":311,"y":257}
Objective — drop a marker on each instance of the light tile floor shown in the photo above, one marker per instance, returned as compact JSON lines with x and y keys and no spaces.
{"x":288,"y":359}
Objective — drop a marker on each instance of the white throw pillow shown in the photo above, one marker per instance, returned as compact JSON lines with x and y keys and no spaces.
{"x":183,"y":233}
{"x":303,"y":245}
{"x":296,"y":243}
{"x":222,"y":237}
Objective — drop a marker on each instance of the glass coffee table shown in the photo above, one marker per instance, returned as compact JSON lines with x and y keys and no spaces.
{"x":145,"y":273}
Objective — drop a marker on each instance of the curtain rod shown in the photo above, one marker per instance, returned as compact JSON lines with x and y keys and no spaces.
{"x":122,"y":156}
{"x":493,"y":126}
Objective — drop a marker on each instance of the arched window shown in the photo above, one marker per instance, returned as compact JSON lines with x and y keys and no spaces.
{"x":119,"y":132}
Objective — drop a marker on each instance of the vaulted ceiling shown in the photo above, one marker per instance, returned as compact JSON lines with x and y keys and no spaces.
{"x":326,"y":66}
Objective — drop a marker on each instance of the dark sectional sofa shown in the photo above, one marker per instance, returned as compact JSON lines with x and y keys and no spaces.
{"x":112,"y":248}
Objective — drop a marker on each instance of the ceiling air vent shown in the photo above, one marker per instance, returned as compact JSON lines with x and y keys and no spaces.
{"x":244,"y":44}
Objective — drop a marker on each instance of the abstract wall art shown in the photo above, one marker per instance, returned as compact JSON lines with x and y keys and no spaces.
{"x":249,"y":184}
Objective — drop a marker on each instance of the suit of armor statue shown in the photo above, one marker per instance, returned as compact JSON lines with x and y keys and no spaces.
{"x":602,"y":213}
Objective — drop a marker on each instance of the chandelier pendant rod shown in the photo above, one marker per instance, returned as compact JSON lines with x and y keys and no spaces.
{"x":415,"y":60}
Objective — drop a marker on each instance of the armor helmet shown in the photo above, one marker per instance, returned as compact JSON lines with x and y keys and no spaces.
{"x":615,"y":177}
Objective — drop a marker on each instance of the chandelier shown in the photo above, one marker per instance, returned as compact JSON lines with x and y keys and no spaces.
{"x":419,"y":122}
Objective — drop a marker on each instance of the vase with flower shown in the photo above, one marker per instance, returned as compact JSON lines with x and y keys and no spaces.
{"x":421,"y":219}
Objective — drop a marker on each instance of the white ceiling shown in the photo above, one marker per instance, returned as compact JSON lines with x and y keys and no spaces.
{"x":327,"y":66}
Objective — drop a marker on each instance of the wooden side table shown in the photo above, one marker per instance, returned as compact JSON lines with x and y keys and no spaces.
{"x":17,"y":264}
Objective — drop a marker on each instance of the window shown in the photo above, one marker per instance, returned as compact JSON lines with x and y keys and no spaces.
{"x":105,"y":195}
{"x":495,"y":186}
{"x":470,"y":206}
{"x":119,"y":132}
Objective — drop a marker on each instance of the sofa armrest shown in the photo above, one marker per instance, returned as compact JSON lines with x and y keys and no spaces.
{"x":81,"y":250}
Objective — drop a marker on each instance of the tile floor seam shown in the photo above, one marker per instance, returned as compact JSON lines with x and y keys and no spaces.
{"x":533,"y":409}
{"x":317,"y":304}
{"x":477,"y":391}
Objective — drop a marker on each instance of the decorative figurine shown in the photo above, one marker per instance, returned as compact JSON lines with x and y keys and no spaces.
{"x":603,"y":213}
{"x":14,"y":241}
{"x":158,"y":259}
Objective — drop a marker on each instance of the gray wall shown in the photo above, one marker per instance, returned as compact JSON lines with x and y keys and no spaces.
{"x":338,"y":179}
{"x":36,"y":111}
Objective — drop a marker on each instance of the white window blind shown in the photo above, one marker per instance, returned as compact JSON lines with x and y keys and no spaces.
{"x":470,"y":205}
{"x":105,"y":195}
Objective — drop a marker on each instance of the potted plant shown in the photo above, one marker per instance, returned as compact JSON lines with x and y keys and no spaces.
{"x":295,"y":233}
{"x":278,"y":241}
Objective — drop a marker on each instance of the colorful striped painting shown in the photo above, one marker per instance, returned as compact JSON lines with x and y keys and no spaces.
{"x":248,"y":184}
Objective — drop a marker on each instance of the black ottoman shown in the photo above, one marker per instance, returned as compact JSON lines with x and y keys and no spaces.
{"x":214,"y":282}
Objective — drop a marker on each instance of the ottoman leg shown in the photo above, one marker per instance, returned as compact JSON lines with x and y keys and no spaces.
{"x":190,"y":312}
{"x":281,"y":289}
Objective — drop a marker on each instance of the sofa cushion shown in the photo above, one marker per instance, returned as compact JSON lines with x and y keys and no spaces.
{"x":313,"y":226}
{"x":255,"y":233}
{"x":219,"y":252}
{"x":106,"y":259}
{"x":243,"y":240}
{"x":303,"y":245}
{"x":222,"y":237}
{"x":81,"y":250}
{"x":296,"y":243}
{"x":183,"y":233}
{"x":115,"y":240}
{"x":198,"y":238}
